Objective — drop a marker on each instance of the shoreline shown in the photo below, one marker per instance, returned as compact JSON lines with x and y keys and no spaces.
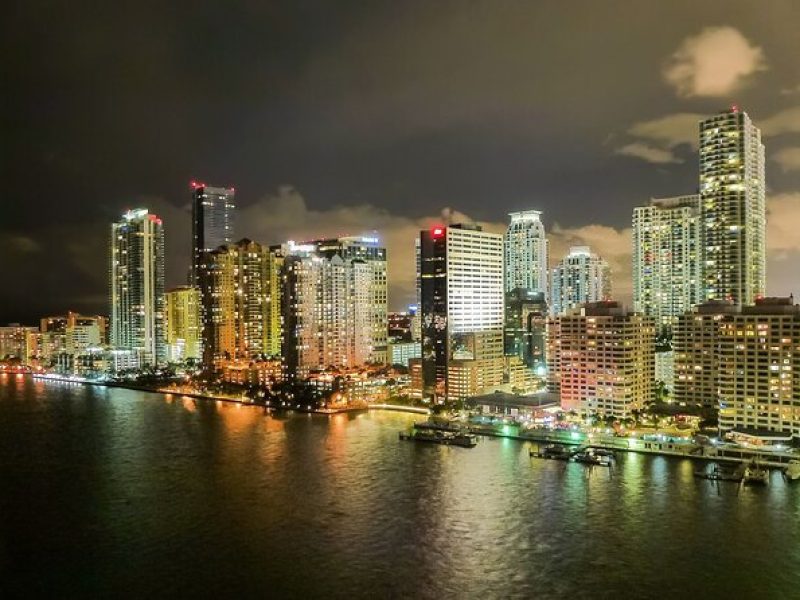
{"x":638,"y":446}
{"x":209,"y":398}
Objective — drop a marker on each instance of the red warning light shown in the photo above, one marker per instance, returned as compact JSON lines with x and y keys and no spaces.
{"x":438,"y":232}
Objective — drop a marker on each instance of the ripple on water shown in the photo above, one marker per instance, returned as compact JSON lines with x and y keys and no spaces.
{"x":118,"y":491}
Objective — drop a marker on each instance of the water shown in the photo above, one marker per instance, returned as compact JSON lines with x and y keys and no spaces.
{"x":108,"y":491}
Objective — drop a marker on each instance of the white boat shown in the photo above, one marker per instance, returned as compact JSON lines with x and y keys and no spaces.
{"x":792,"y":470}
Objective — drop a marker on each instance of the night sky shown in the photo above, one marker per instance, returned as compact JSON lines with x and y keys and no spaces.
{"x":352,"y":117}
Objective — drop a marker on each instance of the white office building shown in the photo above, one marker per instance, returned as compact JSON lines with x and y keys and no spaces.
{"x":461,"y":294}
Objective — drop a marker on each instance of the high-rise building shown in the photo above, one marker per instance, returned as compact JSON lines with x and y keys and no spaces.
{"x":212,"y":223}
{"x":334,"y":304}
{"x":373,"y":254}
{"x":580,"y":277}
{"x":744,"y":360}
{"x":183,"y":325}
{"x":526,"y":252}
{"x":759,"y":368}
{"x":733,"y":207}
{"x":694,"y":339}
{"x":461,"y":293}
{"x":400,"y":324}
{"x":137,"y":285}
{"x":601,"y":359}
{"x":667,"y":258}
{"x":237,"y":294}
{"x":525,"y":328}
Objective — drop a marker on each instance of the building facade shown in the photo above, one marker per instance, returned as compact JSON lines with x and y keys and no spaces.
{"x":237,"y":295}
{"x":580,"y":277}
{"x":744,"y":360}
{"x":137,"y":285}
{"x":526,"y":252}
{"x":461,"y":295}
{"x":667,"y":258}
{"x":733,"y":208}
{"x":213,"y":212}
{"x":695,"y":340}
{"x":18,"y":343}
{"x":759,"y":368}
{"x":525,"y":328}
{"x":602,"y":359}
{"x":334,"y":304}
{"x":183,"y":324}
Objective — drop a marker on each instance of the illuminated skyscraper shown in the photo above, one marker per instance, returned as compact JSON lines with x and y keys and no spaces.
{"x":526,"y":253}
{"x":525,"y":326}
{"x":461,"y":294}
{"x":601,"y":359}
{"x":183,"y":324}
{"x":237,"y":295}
{"x":580,"y":277}
{"x":743,"y":360}
{"x":334,"y":304}
{"x":733,"y":207}
{"x":667,"y":261}
{"x":212,"y":222}
{"x":137,"y":285}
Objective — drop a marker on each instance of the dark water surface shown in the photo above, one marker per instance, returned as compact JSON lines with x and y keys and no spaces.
{"x":115,"y":492}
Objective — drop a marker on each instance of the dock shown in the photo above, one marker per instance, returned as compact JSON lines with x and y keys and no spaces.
{"x":658,"y":445}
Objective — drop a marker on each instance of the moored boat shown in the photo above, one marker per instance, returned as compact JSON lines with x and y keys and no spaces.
{"x":592,"y":458}
{"x":717,"y":473}
{"x":756,"y":474}
{"x":553,"y":452}
{"x":464,"y":440}
{"x":792,"y":470}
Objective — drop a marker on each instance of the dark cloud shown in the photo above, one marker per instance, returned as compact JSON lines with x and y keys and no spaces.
{"x":404,"y":108}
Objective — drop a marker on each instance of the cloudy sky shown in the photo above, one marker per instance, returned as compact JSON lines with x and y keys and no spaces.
{"x":350,"y":117}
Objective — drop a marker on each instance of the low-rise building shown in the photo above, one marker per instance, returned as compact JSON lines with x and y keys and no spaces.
{"x":255,"y":372}
{"x":535,"y":407}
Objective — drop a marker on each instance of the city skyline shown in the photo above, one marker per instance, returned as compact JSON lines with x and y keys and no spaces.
{"x":515,"y":145}
{"x":308,"y":299}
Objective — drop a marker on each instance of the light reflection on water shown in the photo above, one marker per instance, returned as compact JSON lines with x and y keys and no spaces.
{"x":108,"y":490}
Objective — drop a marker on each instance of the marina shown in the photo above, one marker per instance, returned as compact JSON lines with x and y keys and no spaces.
{"x":653,"y":444}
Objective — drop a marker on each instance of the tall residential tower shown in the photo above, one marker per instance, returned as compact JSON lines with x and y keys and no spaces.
{"x":334,"y":296}
{"x":137,"y":285}
{"x":212,"y":223}
{"x":526,"y":252}
{"x":667,"y":261}
{"x":580,"y":277}
{"x":733,"y":208}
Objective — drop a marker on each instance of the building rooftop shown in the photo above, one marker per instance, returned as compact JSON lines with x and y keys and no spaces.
{"x":538,"y":400}
{"x":763,"y":306}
